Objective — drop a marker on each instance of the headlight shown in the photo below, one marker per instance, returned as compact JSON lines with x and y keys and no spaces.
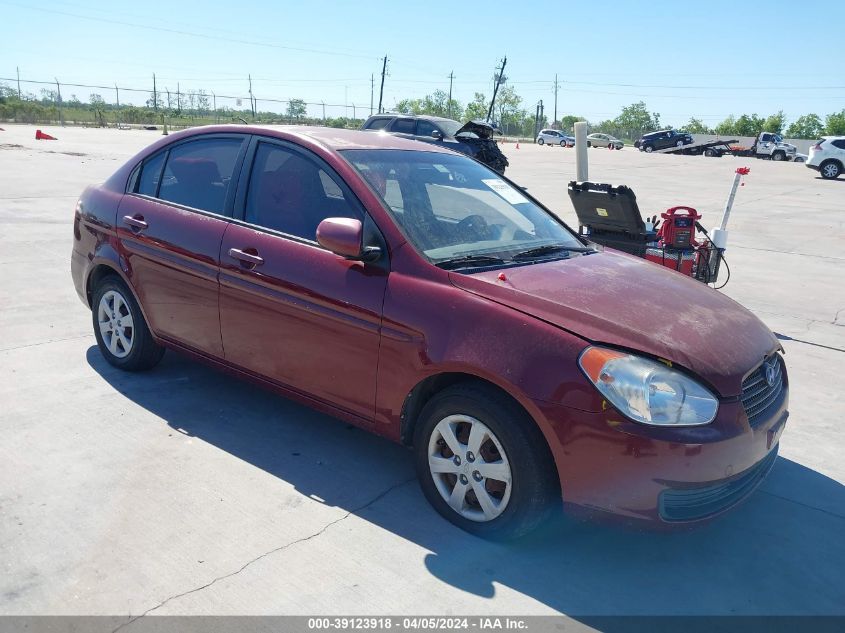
{"x":648,"y":391}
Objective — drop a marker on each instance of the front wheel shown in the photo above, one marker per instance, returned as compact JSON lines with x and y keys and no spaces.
{"x":589,"y":144}
{"x":122,"y":334}
{"x":679,"y":144}
{"x":483,"y":463}
{"x":830,"y":169}
{"x":778,"y":156}
{"x":563,"y":143}
{"x":648,"y":149}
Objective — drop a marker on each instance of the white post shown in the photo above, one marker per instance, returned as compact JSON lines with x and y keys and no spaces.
{"x":719,"y":235}
{"x":581,"y":166}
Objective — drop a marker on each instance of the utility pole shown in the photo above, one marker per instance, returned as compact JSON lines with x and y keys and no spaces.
{"x":555,"y":120}
{"x":155,"y":95}
{"x":214,"y":101}
{"x":449,"y":102}
{"x":19,"y":82}
{"x":496,"y":88}
{"x":117,"y":95}
{"x":167,"y":90}
{"x":372,"y":91}
{"x":178,"y":99}
{"x":536,"y":120}
{"x":251,"y":102}
{"x":381,"y":90}
{"x":324,"y":112}
{"x":59,"y":95}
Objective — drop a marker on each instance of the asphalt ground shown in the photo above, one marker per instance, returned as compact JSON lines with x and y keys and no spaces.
{"x":185,"y":491}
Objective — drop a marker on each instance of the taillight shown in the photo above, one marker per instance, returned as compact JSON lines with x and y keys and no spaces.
{"x":818,"y":145}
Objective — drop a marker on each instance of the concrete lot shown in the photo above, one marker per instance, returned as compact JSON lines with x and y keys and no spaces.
{"x":184,"y":491}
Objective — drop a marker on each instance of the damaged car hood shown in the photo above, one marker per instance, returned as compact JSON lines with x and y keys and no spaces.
{"x":479,"y":127}
{"x":624,"y":301}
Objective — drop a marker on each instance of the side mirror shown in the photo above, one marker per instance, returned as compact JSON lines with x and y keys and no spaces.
{"x":344,"y":237}
{"x":437,"y":134}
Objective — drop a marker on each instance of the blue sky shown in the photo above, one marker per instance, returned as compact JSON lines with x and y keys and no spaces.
{"x":703,"y":59}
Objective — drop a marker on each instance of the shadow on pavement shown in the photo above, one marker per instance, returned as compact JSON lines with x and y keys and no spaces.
{"x":782,"y":552}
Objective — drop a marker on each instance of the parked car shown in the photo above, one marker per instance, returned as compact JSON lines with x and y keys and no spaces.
{"x":415,"y":293}
{"x":662,"y":139}
{"x":555,"y":137}
{"x":827,"y":157}
{"x":604,"y":140}
{"x":473,"y":138}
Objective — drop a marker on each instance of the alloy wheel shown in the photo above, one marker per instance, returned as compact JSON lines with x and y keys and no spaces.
{"x":831,"y":170}
{"x":116,"y":324}
{"x":470,"y":468}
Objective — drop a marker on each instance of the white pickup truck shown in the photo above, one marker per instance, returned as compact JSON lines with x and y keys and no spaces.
{"x":769,"y":145}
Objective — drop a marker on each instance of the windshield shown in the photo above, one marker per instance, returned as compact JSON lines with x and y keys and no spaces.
{"x":452,"y":207}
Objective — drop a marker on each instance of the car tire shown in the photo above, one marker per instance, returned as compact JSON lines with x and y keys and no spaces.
{"x":830,"y":169}
{"x":648,"y":149}
{"x":611,"y":146}
{"x":778,"y":156}
{"x":540,"y":141}
{"x":121,"y":331}
{"x":563,"y":143}
{"x":679,"y":144}
{"x":709,"y":152}
{"x":510,"y":445}
{"x":589,"y":144}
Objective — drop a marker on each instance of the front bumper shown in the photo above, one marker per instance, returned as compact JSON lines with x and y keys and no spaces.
{"x":609,"y":465}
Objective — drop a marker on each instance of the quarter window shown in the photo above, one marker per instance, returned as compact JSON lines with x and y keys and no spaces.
{"x":292,"y":194}
{"x":198,"y":174}
{"x":840,"y":143}
{"x":378,"y":124}
{"x":150,"y":175}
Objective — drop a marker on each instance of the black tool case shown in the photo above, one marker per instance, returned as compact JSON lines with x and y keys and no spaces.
{"x":610,"y":216}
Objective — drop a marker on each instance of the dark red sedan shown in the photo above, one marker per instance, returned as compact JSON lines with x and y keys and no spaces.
{"x":416,"y":293}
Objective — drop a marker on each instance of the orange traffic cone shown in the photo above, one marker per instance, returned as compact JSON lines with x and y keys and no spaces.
{"x":40,"y":136}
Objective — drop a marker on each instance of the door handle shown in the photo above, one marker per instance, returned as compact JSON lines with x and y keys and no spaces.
{"x":248,"y":258}
{"x":136,"y":222}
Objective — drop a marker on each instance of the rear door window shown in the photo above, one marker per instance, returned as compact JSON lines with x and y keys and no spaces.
{"x":198,"y":173}
{"x":403,"y":126}
{"x":840,"y":143}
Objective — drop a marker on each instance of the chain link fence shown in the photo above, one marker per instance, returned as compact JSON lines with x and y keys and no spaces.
{"x":56,"y":102}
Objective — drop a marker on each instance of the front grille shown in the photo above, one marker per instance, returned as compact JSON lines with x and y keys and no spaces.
{"x":757,"y":394}
{"x":690,"y":504}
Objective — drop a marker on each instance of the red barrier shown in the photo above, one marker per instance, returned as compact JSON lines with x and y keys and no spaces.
{"x":41,"y":136}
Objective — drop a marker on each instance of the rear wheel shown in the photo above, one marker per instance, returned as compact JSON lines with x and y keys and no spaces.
{"x":483,"y":463}
{"x":709,"y":152}
{"x":120,"y":329}
{"x":589,"y":144}
{"x":830,"y":169}
{"x":540,"y":141}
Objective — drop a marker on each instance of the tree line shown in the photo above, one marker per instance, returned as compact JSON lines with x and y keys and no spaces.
{"x":195,"y":107}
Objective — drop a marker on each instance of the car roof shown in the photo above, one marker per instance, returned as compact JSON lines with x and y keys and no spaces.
{"x":335,"y":139}
{"x":426,"y":117}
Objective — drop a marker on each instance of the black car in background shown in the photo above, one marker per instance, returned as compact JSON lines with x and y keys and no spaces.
{"x":662,"y":139}
{"x":474,"y":138}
